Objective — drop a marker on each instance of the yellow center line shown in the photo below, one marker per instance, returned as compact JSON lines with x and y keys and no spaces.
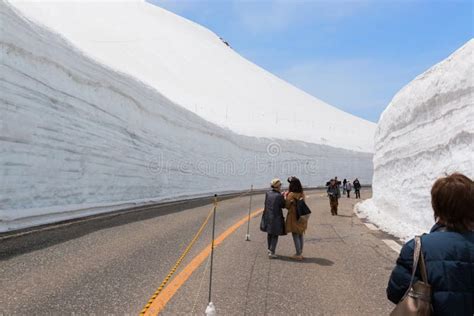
{"x":168,"y":292}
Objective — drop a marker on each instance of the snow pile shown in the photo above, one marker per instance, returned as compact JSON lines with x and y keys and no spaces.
{"x":108,"y":105}
{"x":426,"y":131}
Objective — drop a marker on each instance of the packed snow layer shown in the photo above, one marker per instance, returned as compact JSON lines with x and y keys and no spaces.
{"x":78,"y":137}
{"x":425,"y":132}
{"x":192,"y":67}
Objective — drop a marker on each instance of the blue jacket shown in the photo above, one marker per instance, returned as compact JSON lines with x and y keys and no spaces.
{"x":449,"y":258}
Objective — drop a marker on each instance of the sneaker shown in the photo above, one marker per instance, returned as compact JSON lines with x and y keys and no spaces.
{"x":272,"y":255}
{"x":297,"y":257}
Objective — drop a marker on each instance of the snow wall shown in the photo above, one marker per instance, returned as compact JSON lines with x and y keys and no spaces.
{"x":79,"y":138}
{"x":425,"y":132}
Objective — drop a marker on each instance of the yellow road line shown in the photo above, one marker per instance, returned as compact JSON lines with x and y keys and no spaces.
{"x":168,"y":292}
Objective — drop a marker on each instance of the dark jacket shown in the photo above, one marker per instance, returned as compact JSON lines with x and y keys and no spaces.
{"x":449,"y":260}
{"x":356,"y":184}
{"x":333,"y":191}
{"x":273,"y":213}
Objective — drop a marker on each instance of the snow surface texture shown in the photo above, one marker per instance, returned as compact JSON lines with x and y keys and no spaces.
{"x":192,"y":67}
{"x":425,"y":132}
{"x":81,"y":135}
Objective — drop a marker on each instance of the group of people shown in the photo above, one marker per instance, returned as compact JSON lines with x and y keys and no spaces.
{"x":445,"y":266}
{"x":334,"y":191}
{"x":274,"y":223}
{"x":347,"y":187}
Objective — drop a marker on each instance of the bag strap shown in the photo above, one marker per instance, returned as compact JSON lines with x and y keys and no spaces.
{"x":416,"y":256}
{"x":424,"y":274}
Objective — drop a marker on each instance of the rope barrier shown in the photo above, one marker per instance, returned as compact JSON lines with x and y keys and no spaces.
{"x":176,"y":265}
{"x":186,"y":251}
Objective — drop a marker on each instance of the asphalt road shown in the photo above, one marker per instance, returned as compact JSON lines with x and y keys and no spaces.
{"x":112,"y":266}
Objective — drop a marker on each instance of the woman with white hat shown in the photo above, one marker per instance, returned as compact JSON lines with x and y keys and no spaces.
{"x":273,"y":221}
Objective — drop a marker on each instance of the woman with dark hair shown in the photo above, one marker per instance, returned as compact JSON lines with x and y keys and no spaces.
{"x":296,"y":226}
{"x":448,"y":251}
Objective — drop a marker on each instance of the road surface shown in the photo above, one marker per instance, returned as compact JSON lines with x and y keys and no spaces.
{"x":113,"y":266}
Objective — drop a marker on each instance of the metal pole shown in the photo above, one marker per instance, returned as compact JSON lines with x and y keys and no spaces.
{"x":247,"y":237}
{"x":212,"y":245}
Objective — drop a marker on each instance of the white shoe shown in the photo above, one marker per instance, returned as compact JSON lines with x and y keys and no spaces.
{"x":272,"y":256}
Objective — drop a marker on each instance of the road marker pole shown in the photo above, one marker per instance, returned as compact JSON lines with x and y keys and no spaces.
{"x":210,"y":309}
{"x":247,"y":237}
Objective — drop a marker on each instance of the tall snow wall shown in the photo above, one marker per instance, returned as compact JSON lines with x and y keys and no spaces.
{"x":79,"y":138}
{"x":425,"y":132}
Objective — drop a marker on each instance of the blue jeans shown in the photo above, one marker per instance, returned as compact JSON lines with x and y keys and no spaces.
{"x":298,"y":239}
{"x":272,"y":242}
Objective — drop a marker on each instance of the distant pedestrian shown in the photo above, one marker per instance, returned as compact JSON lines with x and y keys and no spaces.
{"x":337,"y":182}
{"x":297,"y":226}
{"x":348,"y":188}
{"x":357,"y":186}
{"x":448,"y":252}
{"x":334,"y":194}
{"x":344,"y":182}
{"x":273,"y":221}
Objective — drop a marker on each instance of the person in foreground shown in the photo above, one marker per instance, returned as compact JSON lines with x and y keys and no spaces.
{"x":296,"y":226}
{"x":273,"y":221}
{"x":448,"y":250}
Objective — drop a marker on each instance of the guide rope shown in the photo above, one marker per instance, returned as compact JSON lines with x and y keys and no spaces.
{"x":183,"y":255}
{"x":177,"y":264}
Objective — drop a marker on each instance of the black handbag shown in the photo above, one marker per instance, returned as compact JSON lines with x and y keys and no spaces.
{"x":301,"y":209}
{"x":263,"y":223}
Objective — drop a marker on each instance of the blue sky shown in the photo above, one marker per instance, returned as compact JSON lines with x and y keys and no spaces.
{"x":354,"y":55}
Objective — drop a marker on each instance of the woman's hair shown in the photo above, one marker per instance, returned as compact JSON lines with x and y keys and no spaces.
{"x":452,"y":198}
{"x":295,"y":185}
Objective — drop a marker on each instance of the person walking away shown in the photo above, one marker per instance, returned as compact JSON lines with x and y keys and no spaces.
{"x":344,"y":182}
{"x":448,"y":251}
{"x":348,"y":188}
{"x":296,"y":226}
{"x":334,"y":194}
{"x":357,"y":186}
{"x":273,"y":221}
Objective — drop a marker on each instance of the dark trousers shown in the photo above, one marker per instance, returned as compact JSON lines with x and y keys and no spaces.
{"x":272,"y":242}
{"x":348,"y":193}
{"x":357,"y":191}
{"x":298,"y":240}
{"x":334,"y":203}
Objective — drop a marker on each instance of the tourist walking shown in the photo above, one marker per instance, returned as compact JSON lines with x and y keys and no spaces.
{"x":344,"y":182}
{"x":334,"y":194}
{"x":273,"y":222}
{"x":357,"y":186}
{"x":447,"y":252}
{"x":297,"y":226}
{"x":348,"y":188}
